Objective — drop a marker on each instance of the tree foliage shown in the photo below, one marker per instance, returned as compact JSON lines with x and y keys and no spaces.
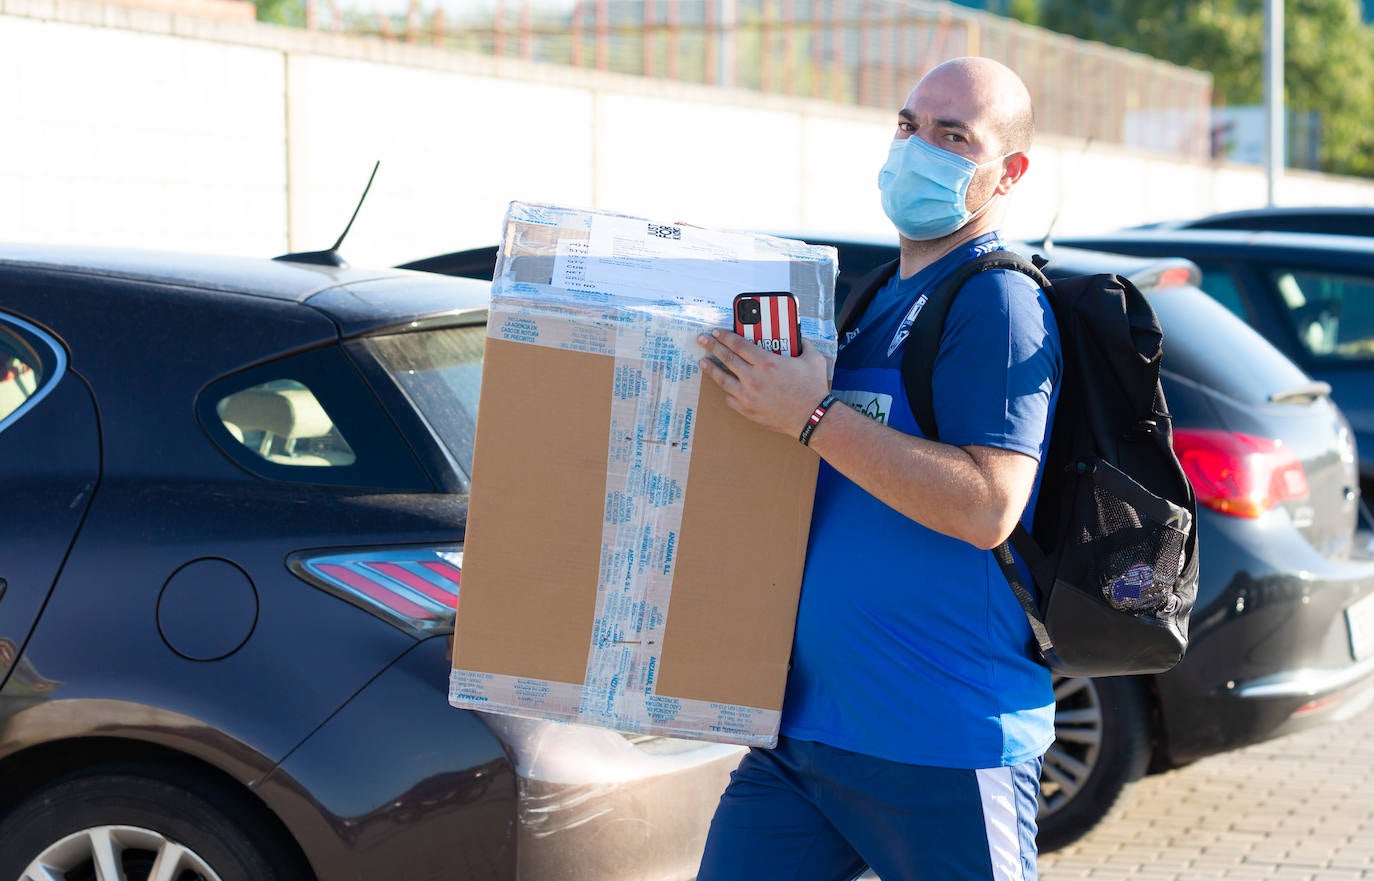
{"x":287,"y":12}
{"x":1328,"y":64}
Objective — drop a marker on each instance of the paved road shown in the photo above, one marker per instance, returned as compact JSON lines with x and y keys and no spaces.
{"x":1299,"y":808}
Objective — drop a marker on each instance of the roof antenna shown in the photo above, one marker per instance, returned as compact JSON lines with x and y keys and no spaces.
{"x":331,"y":257}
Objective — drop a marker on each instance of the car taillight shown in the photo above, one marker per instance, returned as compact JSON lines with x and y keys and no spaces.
{"x":414,"y":588}
{"x":1239,"y":474}
{"x":1172,"y":278}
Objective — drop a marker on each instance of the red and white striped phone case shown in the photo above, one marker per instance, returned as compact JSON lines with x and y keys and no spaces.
{"x":769,"y":320}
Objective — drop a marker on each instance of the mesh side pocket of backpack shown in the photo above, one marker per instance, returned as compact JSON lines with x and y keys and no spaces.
{"x":1136,"y":541}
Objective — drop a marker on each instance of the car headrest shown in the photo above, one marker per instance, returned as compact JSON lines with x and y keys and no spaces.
{"x":286,"y":413}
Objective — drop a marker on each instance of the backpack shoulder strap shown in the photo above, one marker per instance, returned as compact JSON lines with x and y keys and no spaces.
{"x":918,"y":368}
{"x":918,"y":359}
{"x":852,"y":309}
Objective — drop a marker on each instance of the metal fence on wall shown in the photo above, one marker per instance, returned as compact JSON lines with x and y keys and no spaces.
{"x":861,"y":52}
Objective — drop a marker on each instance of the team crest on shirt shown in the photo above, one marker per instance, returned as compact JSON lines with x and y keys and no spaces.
{"x":874,"y":405}
{"x":904,"y":329}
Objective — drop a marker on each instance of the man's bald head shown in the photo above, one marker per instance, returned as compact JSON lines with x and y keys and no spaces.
{"x":979,"y":111}
{"x":994,"y":87}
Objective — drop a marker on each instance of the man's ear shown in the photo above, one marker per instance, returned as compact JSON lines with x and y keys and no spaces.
{"x":1012,"y":169}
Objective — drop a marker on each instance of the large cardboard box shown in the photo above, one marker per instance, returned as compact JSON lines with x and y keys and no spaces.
{"x":634,"y":547}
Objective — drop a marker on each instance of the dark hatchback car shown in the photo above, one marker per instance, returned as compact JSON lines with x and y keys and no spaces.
{"x":1283,"y":629}
{"x":235,"y":499}
{"x":1325,"y":219}
{"x":1312,"y":296}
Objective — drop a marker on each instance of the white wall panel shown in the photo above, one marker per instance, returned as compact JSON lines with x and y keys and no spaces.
{"x":118,"y":137}
{"x":710,"y":164}
{"x":841,"y":155}
{"x":130,"y":127}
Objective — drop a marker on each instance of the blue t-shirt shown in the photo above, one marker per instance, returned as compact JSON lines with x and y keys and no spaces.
{"x":909,"y":644}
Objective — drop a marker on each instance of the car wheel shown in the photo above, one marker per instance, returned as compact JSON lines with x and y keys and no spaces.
{"x":1102,"y":743}
{"x":122,"y":827}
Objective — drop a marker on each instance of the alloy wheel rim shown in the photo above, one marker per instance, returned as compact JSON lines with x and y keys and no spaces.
{"x":1077,"y":745}
{"x":118,"y":853}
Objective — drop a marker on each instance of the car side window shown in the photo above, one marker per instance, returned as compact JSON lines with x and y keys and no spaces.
{"x":18,"y":379}
{"x":283,"y":422}
{"x":1331,"y":313}
{"x":1220,"y":285}
{"x":310,"y":418}
{"x":29,"y":362}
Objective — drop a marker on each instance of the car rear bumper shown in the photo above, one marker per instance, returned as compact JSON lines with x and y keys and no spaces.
{"x":1271,"y":652}
{"x":1219,"y":722}
{"x":1306,"y":684}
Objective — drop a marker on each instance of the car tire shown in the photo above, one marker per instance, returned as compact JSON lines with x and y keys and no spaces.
{"x":1102,"y":743}
{"x":131,"y":819}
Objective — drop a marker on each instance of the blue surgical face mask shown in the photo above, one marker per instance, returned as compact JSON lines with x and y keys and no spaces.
{"x":924,"y":189}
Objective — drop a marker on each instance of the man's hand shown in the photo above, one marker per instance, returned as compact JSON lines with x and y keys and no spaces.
{"x":773,"y":390}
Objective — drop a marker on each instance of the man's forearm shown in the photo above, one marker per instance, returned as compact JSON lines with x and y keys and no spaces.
{"x":975,"y":494}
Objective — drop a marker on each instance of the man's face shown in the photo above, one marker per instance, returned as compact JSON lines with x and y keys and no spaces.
{"x":949,"y":111}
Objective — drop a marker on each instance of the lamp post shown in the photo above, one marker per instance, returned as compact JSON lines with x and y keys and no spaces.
{"x":1273,"y":96}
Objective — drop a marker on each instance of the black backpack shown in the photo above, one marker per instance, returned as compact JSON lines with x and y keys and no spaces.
{"x":1113,"y":548}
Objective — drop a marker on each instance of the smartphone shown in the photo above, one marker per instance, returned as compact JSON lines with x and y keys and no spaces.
{"x":770,"y":320}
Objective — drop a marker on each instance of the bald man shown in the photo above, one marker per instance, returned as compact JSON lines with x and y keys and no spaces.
{"x":915,"y":719}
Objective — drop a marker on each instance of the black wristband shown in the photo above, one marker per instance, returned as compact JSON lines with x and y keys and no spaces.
{"x":816,"y":416}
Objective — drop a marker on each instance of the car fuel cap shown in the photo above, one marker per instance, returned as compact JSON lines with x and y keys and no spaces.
{"x":207,"y":609}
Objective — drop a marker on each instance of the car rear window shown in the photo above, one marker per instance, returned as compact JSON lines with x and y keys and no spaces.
{"x":1207,"y":344}
{"x":1221,"y":286}
{"x":440,"y":372}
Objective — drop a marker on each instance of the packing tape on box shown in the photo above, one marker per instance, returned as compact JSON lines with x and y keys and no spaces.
{"x":564,"y":702}
{"x":653,"y":403}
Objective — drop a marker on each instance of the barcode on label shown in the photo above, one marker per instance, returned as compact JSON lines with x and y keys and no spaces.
{"x":665,"y":232}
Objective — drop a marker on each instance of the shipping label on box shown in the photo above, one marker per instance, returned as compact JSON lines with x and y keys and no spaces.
{"x":634,"y":548}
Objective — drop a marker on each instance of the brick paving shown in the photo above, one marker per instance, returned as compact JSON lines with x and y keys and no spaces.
{"x":1300,"y":808}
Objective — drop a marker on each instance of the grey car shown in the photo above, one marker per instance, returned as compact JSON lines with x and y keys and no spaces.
{"x":1311,"y":296}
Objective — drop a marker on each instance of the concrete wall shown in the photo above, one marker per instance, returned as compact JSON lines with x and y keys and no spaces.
{"x":122,"y":126}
